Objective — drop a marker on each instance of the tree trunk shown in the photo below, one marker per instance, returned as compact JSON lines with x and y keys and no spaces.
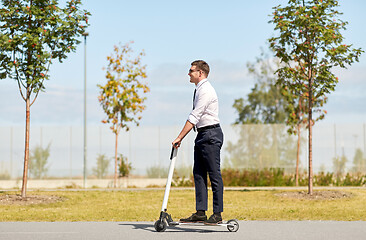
{"x":310,"y":137}
{"x":26,"y":152}
{"x":298,"y":155}
{"x":115,"y":163}
{"x":310,"y":161}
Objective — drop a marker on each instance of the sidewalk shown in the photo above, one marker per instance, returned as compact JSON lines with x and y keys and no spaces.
{"x":258,"y":230}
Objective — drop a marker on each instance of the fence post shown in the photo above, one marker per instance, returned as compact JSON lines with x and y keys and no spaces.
{"x":335,"y":142}
{"x":11,"y":152}
{"x":364,"y":141}
{"x":70,"y":152}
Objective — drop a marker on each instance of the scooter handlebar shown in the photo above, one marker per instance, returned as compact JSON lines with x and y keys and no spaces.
{"x":172,"y":153}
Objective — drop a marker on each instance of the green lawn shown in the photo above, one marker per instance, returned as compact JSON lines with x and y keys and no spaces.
{"x":145,"y":206}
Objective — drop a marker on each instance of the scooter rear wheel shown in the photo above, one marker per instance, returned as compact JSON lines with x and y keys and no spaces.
{"x":160,"y":226}
{"x":233,"y":225}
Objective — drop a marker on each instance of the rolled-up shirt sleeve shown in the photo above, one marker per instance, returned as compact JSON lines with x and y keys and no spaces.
{"x":200,"y":106}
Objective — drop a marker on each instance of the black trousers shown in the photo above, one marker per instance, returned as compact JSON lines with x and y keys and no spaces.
{"x":207,"y":149}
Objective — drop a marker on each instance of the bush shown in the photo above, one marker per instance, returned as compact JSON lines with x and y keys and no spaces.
{"x":277,"y":177}
{"x":323,"y":179}
{"x":182,"y":181}
{"x":254,"y":178}
{"x":124,"y":167}
{"x":355,"y":180}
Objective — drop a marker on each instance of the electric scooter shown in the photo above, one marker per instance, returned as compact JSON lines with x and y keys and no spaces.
{"x":166,"y":220}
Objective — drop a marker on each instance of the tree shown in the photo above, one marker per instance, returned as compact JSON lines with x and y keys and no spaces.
{"x":32,"y":34}
{"x":296,"y":109}
{"x":38,"y":161}
{"x":359,"y":162}
{"x":101,"y":169}
{"x":120,"y":96}
{"x":339,"y":165}
{"x":265,"y":103}
{"x":310,"y":44}
{"x":261,"y":146}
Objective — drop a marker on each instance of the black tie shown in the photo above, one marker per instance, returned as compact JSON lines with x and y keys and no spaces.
{"x":194,"y":96}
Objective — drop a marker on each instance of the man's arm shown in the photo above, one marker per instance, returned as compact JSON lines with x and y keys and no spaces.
{"x":186,"y":129}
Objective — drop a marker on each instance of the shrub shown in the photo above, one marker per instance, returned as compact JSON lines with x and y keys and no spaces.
{"x":157,"y":172}
{"x":277,"y":177}
{"x":254,"y":178}
{"x":4,"y":176}
{"x":323,"y":179}
{"x":123,"y":167}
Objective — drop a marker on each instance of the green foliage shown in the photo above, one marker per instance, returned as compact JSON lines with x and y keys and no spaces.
{"x":264,"y":104}
{"x":309,"y":45}
{"x":359,"y":162}
{"x":264,"y":177}
{"x":278,"y":177}
{"x":324,"y":179}
{"x":32,"y":34}
{"x":38,"y":161}
{"x":124,"y":167}
{"x":351,"y":180}
{"x":101,"y":169}
{"x":120,"y":96}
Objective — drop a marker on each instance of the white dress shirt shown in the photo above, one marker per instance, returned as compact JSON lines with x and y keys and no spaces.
{"x":206,"y":106}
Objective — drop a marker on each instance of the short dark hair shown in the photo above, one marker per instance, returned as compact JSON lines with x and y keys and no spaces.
{"x":201,"y":65}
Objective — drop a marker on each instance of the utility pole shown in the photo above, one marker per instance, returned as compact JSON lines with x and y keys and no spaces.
{"x":85,"y":34}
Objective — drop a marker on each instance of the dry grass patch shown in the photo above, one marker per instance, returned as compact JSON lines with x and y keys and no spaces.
{"x":317,"y":195}
{"x":16,"y":199}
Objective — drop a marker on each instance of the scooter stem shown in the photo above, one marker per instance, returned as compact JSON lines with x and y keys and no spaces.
{"x":173,"y":157}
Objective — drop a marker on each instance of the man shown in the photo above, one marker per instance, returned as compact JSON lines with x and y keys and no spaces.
{"x":208,"y":142}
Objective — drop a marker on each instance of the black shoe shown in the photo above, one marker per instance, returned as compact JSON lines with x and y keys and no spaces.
{"x":214,"y":219}
{"x":194,"y":218}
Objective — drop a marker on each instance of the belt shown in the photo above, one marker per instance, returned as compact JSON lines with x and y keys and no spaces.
{"x":208,"y":127}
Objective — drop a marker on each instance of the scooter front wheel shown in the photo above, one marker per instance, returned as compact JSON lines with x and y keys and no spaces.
{"x":160,"y":225}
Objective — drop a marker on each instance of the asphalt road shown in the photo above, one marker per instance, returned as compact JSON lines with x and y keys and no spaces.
{"x":266,"y":230}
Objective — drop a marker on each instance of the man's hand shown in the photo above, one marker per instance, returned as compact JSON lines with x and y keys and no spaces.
{"x":176,"y":143}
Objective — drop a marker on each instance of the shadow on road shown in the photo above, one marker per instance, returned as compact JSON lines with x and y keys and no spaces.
{"x":200,"y":229}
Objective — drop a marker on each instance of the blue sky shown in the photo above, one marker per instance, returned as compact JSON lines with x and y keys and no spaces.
{"x":227,"y":34}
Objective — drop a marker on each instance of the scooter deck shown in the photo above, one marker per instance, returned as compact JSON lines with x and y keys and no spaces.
{"x":223,"y":224}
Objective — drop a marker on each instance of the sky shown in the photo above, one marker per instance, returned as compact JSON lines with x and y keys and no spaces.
{"x":226,"y":34}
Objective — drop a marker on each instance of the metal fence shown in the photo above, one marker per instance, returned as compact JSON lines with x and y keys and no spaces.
{"x":245,"y":146}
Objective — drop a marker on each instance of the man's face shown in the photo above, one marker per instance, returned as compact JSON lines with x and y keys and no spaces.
{"x":194,"y":74}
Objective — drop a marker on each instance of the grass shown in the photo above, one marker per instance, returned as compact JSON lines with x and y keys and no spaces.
{"x":145,"y":206}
